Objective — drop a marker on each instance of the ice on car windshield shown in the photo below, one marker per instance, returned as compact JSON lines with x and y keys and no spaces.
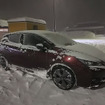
{"x":59,"y":39}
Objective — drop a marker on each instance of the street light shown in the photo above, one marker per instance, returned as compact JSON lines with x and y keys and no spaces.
{"x":54,"y":16}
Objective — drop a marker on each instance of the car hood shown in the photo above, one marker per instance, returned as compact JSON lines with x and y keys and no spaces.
{"x":84,"y":51}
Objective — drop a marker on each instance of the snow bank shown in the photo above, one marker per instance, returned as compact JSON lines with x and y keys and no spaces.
{"x":88,"y":37}
{"x":98,"y":42}
{"x":16,"y":89}
{"x":80,"y":34}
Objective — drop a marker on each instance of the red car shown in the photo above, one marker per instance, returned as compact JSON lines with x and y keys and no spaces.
{"x":67,"y":63}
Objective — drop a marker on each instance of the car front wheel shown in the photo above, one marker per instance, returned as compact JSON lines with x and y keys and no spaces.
{"x":63,"y":78}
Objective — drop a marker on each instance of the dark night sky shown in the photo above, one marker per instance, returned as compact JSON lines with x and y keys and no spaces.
{"x":68,"y":12}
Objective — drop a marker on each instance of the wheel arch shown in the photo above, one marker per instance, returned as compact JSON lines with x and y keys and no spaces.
{"x":64,"y":65}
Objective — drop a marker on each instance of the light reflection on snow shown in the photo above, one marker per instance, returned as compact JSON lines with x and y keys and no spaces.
{"x":98,"y":42}
{"x":91,"y":41}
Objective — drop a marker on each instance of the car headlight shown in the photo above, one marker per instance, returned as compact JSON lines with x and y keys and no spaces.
{"x":91,"y":63}
{"x":96,"y":66}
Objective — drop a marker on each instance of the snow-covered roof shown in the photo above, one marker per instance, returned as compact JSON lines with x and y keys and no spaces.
{"x":55,"y":37}
{"x":23,"y":19}
{"x":3,"y":23}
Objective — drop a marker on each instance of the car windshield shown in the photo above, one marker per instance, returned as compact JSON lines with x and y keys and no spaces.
{"x":59,"y":39}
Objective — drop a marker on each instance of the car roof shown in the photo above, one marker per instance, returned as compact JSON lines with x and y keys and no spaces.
{"x":38,"y":32}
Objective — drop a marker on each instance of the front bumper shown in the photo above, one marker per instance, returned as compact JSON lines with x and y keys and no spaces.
{"x":98,"y":71}
{"x":89,"y":75}
{"x":98,"y":75}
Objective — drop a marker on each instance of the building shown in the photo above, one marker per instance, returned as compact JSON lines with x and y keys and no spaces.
{"x":3,"y":27}
{"x":26,"y":23}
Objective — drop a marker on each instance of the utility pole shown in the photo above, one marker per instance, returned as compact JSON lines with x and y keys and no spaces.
{"x":54,"y":16}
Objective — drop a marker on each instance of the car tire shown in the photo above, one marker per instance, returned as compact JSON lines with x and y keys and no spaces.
{"x":4,"y":63}
{"x":63,"y":77}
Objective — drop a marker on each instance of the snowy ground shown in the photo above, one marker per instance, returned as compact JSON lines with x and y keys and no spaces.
{"x":98,"y":42}
{"x":16,"y":89}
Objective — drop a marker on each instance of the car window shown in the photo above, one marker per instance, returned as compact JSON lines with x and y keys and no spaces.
{"x":14,"y":38}
{"x":45,"y":42}
{"x":33,"y":39}
{"x":59,"y":39}
{"x":30,"y":39}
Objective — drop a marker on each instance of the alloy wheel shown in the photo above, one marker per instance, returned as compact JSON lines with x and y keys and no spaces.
{"x":63,"y":78}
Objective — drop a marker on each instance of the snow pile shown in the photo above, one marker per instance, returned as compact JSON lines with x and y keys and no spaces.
{"x":16,"y":89}
{"x":88,"y":37}
{"x":80,"y":34}
{"x":98,"y":42}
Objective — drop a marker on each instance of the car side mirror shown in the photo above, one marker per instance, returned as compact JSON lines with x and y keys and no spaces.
{"x":39,"y":46}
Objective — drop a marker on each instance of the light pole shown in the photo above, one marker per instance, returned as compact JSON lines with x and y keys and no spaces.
{"x":54,"y":16}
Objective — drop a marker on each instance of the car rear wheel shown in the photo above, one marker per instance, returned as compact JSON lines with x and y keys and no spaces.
{"x":63,"y":78}
{"x":4,"y":63}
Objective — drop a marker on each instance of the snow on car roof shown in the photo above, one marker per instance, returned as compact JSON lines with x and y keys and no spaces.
{"x":55,"y":37}
{"x":39,"y":32}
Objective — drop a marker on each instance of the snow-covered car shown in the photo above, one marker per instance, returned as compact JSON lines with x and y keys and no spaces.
{"x":67,"y":63}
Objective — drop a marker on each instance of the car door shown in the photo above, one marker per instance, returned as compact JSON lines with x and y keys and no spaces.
{"x":36,"y":57}
{"x":33,"y":56}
